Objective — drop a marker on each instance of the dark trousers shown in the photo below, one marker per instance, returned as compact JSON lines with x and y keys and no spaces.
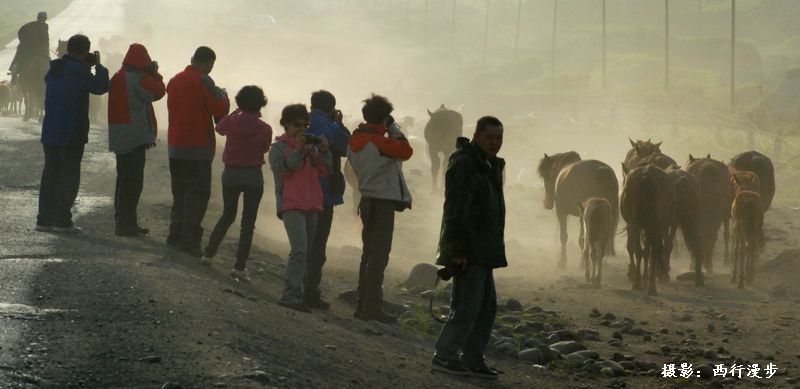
{"x":191,"y":189}
{"x":130,"y":181}
{"x":472,"y":310}
{"x":230,"y":197}
{"x":377,"y":218}
{"x":316,"y":254}
{"x":61,"y":178}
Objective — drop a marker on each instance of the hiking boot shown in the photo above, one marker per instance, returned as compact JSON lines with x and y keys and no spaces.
{"x":481,"y":370}
{"x":379,"y":316}
{"x":174,"y":240}
{"x":240,"y":275}
{"x":42,"y":228}
{"x":317,"y":303}
{"x":73,"y":229}
{"x":193,"y":251}
{"x":129,"y":231}
{"x":449,"y":366}
{"x":296,"y":306}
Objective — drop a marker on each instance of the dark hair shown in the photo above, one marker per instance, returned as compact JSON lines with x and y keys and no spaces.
{"x":376,"y":109}
{"x":78,"y":44}
{"x":251,"y":98}
{"x":293,"y":112}
{"x":486,"y":121}
{"x":204,"y":55}
{"x":323,"y":101}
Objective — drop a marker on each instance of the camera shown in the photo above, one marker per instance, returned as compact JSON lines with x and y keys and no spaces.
{"x":92,"y":58}
{"x":447,"y":272}
{"x":311,"y":139}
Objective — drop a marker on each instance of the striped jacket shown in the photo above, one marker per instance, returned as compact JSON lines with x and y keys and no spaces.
{"x":193,"y":101}
{"x":131,"y":121}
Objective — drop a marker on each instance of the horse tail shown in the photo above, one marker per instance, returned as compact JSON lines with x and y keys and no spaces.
{"x":687,"y":217}
{"x":646,"y":211}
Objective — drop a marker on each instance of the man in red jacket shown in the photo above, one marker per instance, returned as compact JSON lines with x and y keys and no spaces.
{"x":194,"y":103}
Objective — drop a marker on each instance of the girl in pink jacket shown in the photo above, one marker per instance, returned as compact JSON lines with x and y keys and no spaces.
{"x":297,"y":161}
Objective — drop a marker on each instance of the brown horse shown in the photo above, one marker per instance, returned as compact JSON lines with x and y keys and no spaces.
{"x":644,"y":152}
{"x":597,"y":229}
{"x":760,"y":164}
{"x":648,"y":206}
{"x":714,"y":203}
{"x":748,"y":226}
{"x":687,"y":208}
{"x":570,"y":181}
{"x":352,"y":180}
{"x":441,"y":132}
{"x":31,"y":81}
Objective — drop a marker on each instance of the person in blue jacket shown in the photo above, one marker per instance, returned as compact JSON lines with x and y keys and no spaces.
{"x":65,"y":131}
{"x":325,"y":121}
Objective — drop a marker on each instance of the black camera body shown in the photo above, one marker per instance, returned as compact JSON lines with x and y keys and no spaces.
{"x":91,"y":58}
{"x":311,"y":139}
{"x":448,"y":272}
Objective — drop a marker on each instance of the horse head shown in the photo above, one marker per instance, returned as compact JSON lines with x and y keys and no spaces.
{"x":645,"y":147}
{"x":545,"y":170}
{"x":743,"y":180}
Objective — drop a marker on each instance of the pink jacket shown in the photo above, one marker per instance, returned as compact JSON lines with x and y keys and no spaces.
{"x":248,"y":139}
{"x":297,"y":171}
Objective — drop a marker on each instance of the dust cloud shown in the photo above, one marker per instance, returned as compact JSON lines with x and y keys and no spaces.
{"x":551,"y":92}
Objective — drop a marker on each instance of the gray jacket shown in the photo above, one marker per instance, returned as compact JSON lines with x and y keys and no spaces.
{"x":377,"y":160}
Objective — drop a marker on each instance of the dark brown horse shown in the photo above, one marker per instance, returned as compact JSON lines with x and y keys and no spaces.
{"x":687,"y":209}
{"x":644,"y":152}
{"x":598,"y":227}
{"x":31,"y":81}
{"x":759,"y":164}
{"x":441,"y":132}
{"x":648,"y":205}
{"x":748,"y":226}
{"x":570,"y":181}
{"x":714,"y":203}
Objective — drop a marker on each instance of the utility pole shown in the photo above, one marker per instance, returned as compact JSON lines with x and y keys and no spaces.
{"x":519,"y":20}
{"x":733,"y":55}
{"x":666,"y":44}
{"x":486,"y":31}
{"x":453,"y":43}
{"x":604,"y":45}
{"x":553,"y":44}
{"x":426,"y":24}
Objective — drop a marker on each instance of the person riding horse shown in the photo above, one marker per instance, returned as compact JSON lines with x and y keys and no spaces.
{"x":34,"y":41}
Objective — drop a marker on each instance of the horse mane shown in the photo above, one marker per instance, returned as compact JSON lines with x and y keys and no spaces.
{"x":556,"y":160}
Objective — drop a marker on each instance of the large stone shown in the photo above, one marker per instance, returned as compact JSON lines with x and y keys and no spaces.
{"x":538,"y":355}
{"x":606,"y":364}
{"x":587,"y":354}
{"x":568,"y":347}
{"x":423,"y":274}
{"x":514,"y":305}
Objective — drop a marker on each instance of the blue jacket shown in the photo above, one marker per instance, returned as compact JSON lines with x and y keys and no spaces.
{"x":68,"y":84}
{"x":320,"y":124}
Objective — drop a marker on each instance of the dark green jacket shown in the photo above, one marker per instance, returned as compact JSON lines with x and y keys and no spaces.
{"x":473,"y":221}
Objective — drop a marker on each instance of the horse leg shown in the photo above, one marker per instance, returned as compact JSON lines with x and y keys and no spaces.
{"x":584,"y":249}
{"x":434,"y":169}
{"x":562,"y":223}
{"x":726,"y":233}
{"x":656,"y":263}
{"x":635,"y":257}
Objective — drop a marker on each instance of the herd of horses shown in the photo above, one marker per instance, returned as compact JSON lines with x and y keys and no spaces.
{"x":658,"y":198}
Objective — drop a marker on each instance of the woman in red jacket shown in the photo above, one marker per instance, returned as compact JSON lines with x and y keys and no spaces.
{"x":248,"y":140}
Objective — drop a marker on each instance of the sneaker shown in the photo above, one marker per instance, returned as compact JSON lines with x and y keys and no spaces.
{"x":296,"y":306}
{"x":379,"y":316}
{"x":317,"y":303}
{"x":42,"y":228}
{"x":449,"y":366}
{"x":481,"y":370}
{"x":240,"y":275}
{"x":73,"y":229}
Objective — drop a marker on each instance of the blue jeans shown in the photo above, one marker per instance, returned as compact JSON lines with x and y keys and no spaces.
{"x":300,"y":227}
{"x":472,"y":310}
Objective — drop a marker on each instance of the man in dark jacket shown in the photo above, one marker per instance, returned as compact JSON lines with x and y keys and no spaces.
{"x":34,"y":41}
{"x":471,"y":246}
{"x":65,"y":131}
{"x":325,"y":120}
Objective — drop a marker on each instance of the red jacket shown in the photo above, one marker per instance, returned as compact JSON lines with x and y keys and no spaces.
{"x":131,"y":121}
{"x":193,"y":101}
{"x":248,"y":139}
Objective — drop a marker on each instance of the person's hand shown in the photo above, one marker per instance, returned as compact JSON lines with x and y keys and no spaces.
{"x":337,"y":116}
{"x":323,"y":144}
{"x":154,"y":67}
{"x":461,"y":262}
{"x":301,"y":139}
